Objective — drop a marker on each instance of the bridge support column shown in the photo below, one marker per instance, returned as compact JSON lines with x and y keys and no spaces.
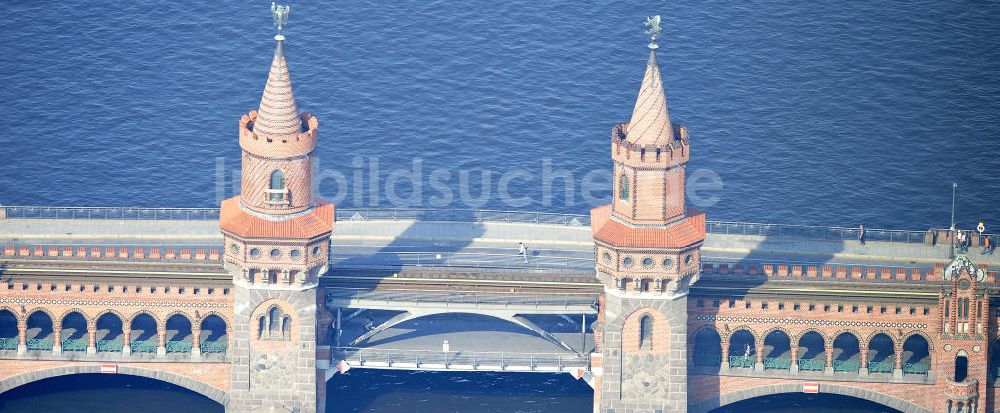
{"x":829,"y":359}
{"x":161,"y":346}
{"x":126,"y":341}
{"x":794,"y":368}
{"x":56,"y":339}
{"x":196,"y":343}
{"x":759,"y":364}
{"x":638,"y":380}
{"x":92,"y":337}
{"x":897,"y":370}
{"x":22,"y":336}
{"x":725,"y":356}
{"x":863,"y":371}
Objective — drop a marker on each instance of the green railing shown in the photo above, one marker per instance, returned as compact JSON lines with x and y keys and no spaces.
{"x":40,"y":344}
{"x":916,"y":368}
{"x":143,"y":346}
{"x":215,"y":347}
{"x":777,"y":363}
{"x":812,"y":364}
{"x":9,"y":343}
{"x":743,"y":362}
{"x":846,"y":365}
{"x":178,"y":346}
{"x":74,"y":344}
{"x":881,"y":366}
{"x":707,"y":359}
{"x":109,"y":346}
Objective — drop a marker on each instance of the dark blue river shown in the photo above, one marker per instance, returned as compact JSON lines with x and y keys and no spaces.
{"x":828,"y":113}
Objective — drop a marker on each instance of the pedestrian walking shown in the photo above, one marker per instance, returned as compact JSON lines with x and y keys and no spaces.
{"x":987,"y":246}
{"x":861,"y":234}
{"x":522,"y":251}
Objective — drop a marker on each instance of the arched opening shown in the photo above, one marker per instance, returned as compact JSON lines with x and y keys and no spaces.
{"x":262,"y":327}
{"x":777,"y":351}
{"x":286,"y":327}
{"x":39,"y":332}
{"x":812,"y":352}
{"x":881,"y":354}
{"x":178,"y":329}
{"x":846,"y":353}
{"x":623,"y":188}
{"x":276,"y":190}
{"x":646,"y":332}
{"x":961,"y":368}
{"x":74,"y":332}
{"x":214,"y":339}
{"x":143,"y":336}
{"x":916,"y":355}
{"x":831,"y":399}
{"x":109,"y":333}
{"x":274,"y":322}
{"x":59,"y":390}
{"x":8,"y":330}
{"x":707,"y":348}
{"x":742,"y":350}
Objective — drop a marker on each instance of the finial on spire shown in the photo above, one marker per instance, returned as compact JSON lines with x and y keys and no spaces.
{"x":280,"y":14}
{"x":653,"y":30}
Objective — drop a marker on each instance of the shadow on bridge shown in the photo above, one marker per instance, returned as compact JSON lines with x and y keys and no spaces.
{"x":403,"y":254}
{"x":721,"y":346}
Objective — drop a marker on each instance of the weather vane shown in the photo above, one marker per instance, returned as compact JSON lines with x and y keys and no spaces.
{"x":653,"y":30}
{"x":280,"y":14}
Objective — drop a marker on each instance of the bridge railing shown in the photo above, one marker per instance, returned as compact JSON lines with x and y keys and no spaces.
{"x":113,"y":213}
{"x":462,"y":215}
{"x":430,"y":359}
{"x":396,"y":259}
{"x":459,"y":297}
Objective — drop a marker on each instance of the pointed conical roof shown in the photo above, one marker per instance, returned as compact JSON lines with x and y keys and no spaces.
{"x":650,"y":124}
{"x":278,"y":114}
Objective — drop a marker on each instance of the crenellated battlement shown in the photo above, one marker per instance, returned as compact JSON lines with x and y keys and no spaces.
{"x":278,"y":147}
{"x":678,"y":152}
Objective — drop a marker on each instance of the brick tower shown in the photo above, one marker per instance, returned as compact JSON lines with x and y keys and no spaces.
{"x":963,"y":336}
{"x":277,"y":240}
{"x":647,"y":253}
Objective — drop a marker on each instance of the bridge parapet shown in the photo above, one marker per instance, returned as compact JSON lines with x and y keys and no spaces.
{"x":110,"y":252}
{"x":401,"y":359}
{"x":836,"y":272}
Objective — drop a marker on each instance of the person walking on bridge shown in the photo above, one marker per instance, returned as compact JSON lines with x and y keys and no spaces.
{"x":861,"y":234}
{"x":522,"y":251}
{"x":987,"y":245}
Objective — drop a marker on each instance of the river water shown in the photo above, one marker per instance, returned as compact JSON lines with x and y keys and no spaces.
{"x":828,"y":113}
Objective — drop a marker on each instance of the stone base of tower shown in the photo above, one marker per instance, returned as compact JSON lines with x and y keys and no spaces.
{"x":635,"y":379}
{"x":274,"y":363}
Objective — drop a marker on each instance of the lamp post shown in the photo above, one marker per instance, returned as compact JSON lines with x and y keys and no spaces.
{"x":951,"y":231}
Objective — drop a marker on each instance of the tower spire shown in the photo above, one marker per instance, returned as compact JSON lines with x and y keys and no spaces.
{"x":650,"y":122}
{"x":278,"y":113}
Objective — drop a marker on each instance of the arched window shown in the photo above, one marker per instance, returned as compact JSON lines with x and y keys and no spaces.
{"x":961,"y":368}
{"x":646,"y":332}
{"x":277,"y":188}
{"x":623,"y":188}
{"x":286,"y":326}
{"x":274,"y":322}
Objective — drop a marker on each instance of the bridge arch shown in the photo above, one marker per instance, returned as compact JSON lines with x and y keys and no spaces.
{"x":215,"y":394}
{"x":846,"y":349}
{"x":706,"y":347}
{"x":508,"y":316}
{"x":9,"y":327}
{"x":856,"y":392}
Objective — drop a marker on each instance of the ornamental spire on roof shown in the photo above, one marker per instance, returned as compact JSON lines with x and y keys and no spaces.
{"x":650,"y":123}
{"x":278,"y":114}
